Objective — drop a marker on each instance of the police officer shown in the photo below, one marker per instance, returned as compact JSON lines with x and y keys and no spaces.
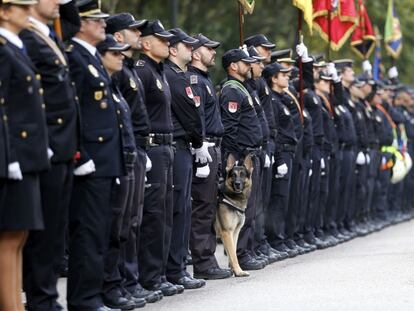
{"x":21,"y":97}
{"x":188,"y":133}
{"x":99,"y":164}
{"x":204,"y":188}
{"x":45,"y":249}
{"x":242,"y":135}
{"x":126,"y":29}
{"x":158,"y":206}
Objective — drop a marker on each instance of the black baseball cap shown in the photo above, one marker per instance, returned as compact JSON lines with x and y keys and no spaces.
{"x":155,"y":28}
{"x":123,"y":21}
{"x":255,"y":54}
{"x":234,"y":56}
{"x":110,"y":44}
{"x":90,"y":9}
{"x":259,"y":39}
{"x":204,"y":41}
{"x":273,"y":69}
{"x":181,"y":36}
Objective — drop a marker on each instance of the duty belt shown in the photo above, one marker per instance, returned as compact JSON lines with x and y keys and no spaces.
{"x":255,"y":150}
{"x":160,"y":139}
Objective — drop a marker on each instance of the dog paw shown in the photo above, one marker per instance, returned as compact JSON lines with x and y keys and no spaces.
{"x":241,"y":273}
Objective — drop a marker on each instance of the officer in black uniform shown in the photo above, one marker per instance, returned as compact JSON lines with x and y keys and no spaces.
{"x":188,"y":133}
{"x":126,"y":29}
{"x":157,"y":217}
{"x":242,"y":135}
{"x":45,"y":249}
{"x":99,"y":164}
{"x":24,"y":127}
{"x":204,"y":188}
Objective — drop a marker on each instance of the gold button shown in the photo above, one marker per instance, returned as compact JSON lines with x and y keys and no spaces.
{"x":41,"y":91}
{"x":29,"y":78}
{"x":73,"y":83}
{"x":60,"y":121}
{"x":5,"y":118}
{"x":100,"y":138}
{"x":38,"y":77}
{"x":76,"y":98}
{"x":57,"y":62}
{"x":44,"y":106}
{"x":102,"y":84}
{"x":23,"y":134}
{"x":105,"y":92}
{"x":118,"y":111}
{"x":104,"y":105}
{"x":2,"y":101}
{"x":121,"y":126}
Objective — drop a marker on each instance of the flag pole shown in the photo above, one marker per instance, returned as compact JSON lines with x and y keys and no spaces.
{"x":241,"y":22}
{"x":300,"y":37}
{"x":329,"y":31}
{"x":58,"y":28}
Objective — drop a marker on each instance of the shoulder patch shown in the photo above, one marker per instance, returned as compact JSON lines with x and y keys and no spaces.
{"x":140,"y":63}
{"x":232,"y":107}
{"x":193,"y":79}
{"x":189,"y":92}
{"x":69,"y":48}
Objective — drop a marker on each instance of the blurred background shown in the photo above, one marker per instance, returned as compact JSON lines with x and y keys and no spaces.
{"x":277,"y":19}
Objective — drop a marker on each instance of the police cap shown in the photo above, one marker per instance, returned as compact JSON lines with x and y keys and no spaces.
{"x":255,"y":54}
{"x":273,"y":69}
{"x":204,"y":41}
{"x":90,"y":9}
{"x":181,"y":36}
{"x":234,"y":56}
{"x":110,"y":44}
{"x":123,"y":21}
{"x":259,"y":39}
{"x":155,"y":28}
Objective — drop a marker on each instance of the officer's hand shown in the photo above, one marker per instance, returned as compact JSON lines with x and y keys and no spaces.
{"x":148,"y":164}
{"x":368,"y":158}
{"x":302,"y":51}
{"x":282,"y":170}
{"x":203,"y":171}
{"x":393,"y":72}
{"x":202,"y":155}
{"x":330,"y":68}
{"x":267,"y":161}
{"x":85,"y":169}
{"x":50,"y":153}
{"x":15,"y":172}
{"x":273,"y":160}
{"x":366,"y":66}
{"x":360,"y":160}
{"x":323,"y":163}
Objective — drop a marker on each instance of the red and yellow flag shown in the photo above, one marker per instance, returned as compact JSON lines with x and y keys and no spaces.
{"x":306,"y":7}
{"x":363,"y":39}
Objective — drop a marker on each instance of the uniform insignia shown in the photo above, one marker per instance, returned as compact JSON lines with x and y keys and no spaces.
{"x":359,"y":114}
{"x":257,"y":101}
{"x":286,"y":111}
{"x":176,"y":69}
{"x":315,"y":100}
{"x":98,"y":95}
{"x":342,"y":108}
{"x":69,"y":48}
{"x":233,"y":107}
{"x":140,"y":63}
{"x":193,"y":79}
{"x":159,"y":84}
{"x":104,"y":105}
{"x":337,"y":111}
{"x":189,"y":92}
{"x":266,"y":90}
{"x":305,"y":114}
{"x":350,"y":102}
{"x":197,"y":101}
{"x":116,"y":98}
{"x":93,"y":71}
{"x":378,"y":118}
{"x":209,"y":90}
{"x":132,"y":84}
{"x":250,"y":101}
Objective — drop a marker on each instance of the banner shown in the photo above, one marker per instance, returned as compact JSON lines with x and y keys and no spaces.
{"x":377,"y":66}
{"x":306,"y":7}
{"x":363,"y":37}
{"x":248,"y":5}
{"x":393,"y":35}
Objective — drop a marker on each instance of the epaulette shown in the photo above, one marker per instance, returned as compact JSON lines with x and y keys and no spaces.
{"x":176,"y":69}
{"x":193,"y":79}
{"x":3,"y":41}
{"x":69,"y":48}
{"x":140,"y":63}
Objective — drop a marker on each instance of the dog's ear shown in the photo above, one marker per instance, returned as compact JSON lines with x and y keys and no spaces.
{"x":231,"y":161}
{"x":248,"y":163}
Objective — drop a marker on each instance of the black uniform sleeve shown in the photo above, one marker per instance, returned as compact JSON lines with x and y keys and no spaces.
{"x":307,"y":72}
{"x":230,"y":102}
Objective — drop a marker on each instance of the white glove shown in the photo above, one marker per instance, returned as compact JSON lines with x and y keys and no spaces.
{"x":360,"y":160}
{"x":203,"y":171}
{"x":393,"y":72}
{"x":302,"y":51}
{"x":148,"y":164}
{"x":366,"y":66}
{"x":383,"y":161}
{"x":273,"y":160}
{"x":310,"y":172}
{"x":202,"y":155}
{"x":85,"y":169}
{"x":368,"y":158}
{"x":49,"y":153}
{"x":267,"y":161}
{"x":322,"y":163}
{"x":330,"y":68}
{"x":15,"y":172}
{"x":282,"y":170}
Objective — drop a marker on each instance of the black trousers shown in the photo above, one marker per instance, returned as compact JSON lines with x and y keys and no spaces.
{"x":314,"y":189}
{"x":381,"y":190}
{"x":89,"y":224}
{"x":204,"y":207}
{"x":263,"y":197}
{"x":345,"y":184}
{"x":373,"y":172}
{"x":132,"y":227}
{"x":304,"y":197}
{"x":292,"y":215}
{"x":44,"y":249}
{"x":324,"y":192}
{"x":121,"y":204}
{"x":182,"y":178}
{"x":157,"y":218}
{"x":333,"y":191}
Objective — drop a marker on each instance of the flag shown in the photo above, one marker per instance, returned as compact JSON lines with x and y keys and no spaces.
{"x":363,"y":37}
{"x":376,"y":67}
{"x":393,"y":35}
{"x":306,"y":7}
{"x":344,"y":20}
{"x":248,"y":5}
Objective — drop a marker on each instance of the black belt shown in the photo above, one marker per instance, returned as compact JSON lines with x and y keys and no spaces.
{"x":213,"y":139}
{"x":130,"y":157}
{"x":288,"y":147}
{"x":253,"y":150}
{"x":181,"y":144}
{"x":160,"y":139}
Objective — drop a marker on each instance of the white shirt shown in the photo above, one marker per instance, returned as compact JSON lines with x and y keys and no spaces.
{"x":11,"y":37}
{"x":91,"y":49}
{"x":43,"y":28}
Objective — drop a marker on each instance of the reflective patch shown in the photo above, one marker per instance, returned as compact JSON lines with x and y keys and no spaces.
{"x":286,"y":111}
{"x":266,"y":90}
{"x":315,"y":100}
{"x":351,"y":103}
{"x":116,"y":98}
{"x":159,"y":85}
{"x":197,"y":101}
{"x":251,"y":101}
{"x":189,"y":92}
{"x":233,"y":107}
{"x":209,"y":90}
{"x":257,"y":101}
{"x":342,"y":108}
{"x":93,"y":71}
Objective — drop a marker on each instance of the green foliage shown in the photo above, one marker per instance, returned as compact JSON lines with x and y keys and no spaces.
{"x":277,"y":19}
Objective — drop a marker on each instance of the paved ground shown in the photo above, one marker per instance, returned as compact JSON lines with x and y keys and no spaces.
{"x":371,"y":273}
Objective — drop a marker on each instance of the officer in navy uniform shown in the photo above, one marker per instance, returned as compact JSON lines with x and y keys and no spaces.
{"x":126,"y":29}
{"x":157,"y":216}
{"x":98,"y":166}
{"x":204,"y":188}
{"x":24,"y":127}
{"x":44,"y":249}
{"x":188,"y":133}
{"x":242,"y":136}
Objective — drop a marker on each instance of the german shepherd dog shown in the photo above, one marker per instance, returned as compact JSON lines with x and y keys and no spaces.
{"x":232,"y":204}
